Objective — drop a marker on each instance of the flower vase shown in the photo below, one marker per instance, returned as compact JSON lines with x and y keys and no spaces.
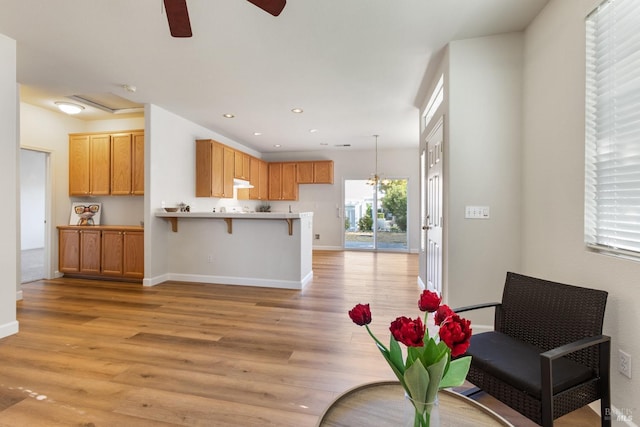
{"x":421,"y":414}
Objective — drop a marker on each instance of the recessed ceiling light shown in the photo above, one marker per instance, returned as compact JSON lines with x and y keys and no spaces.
{"x":257,"y":133}
{"x":296,"y":110}
{"x":228,"y":116}
{"x":277,"y":145}
{"x":69,"y":107}
{"x":313,"y":130}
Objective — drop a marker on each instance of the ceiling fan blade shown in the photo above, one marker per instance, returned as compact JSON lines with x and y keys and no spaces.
{"x":273,"y":7}
{"x":178,"y":18}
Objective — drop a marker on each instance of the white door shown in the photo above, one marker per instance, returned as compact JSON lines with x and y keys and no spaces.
{"x":432,"y":224}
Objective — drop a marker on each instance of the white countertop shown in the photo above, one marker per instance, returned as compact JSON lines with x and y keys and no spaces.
{"x":235,"y":215}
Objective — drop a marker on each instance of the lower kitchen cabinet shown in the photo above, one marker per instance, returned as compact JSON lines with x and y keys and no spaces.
{"x":101,"y":251}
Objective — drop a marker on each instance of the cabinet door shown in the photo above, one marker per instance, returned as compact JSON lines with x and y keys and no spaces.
{"x":275,"y":181}
{"x":137,"y":174}
{"x":228,"y":171}
{"x":90,"y":251}
{"x":323,"y":172}
{"x":121,"y":164}
{"x":100,"y":165}
{"x":204,"y":168}
{"x":133,"y":248}
{"x":217,"y":173}
{"x":242,"y":165}
{"x":112,"y":253}
{"x":254,"y":173}
{"x":289,"y":183}
{"x":68,"y":251}
{"x":264,"y":181}
{"x":305,"y":173}
{"x":79,"y":165}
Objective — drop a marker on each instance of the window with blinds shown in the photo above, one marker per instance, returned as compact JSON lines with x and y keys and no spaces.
{"x":612,"y":172}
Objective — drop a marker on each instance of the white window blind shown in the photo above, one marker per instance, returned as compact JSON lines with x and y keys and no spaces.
{"x":612,"y":181}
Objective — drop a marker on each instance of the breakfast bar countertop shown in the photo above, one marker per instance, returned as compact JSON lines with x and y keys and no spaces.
{"x":245,"y":215}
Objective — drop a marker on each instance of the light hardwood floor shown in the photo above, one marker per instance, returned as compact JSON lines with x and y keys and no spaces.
{"x":99,"y":353}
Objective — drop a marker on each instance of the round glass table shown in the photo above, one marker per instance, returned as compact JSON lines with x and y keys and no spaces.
{"x":383,"y":404}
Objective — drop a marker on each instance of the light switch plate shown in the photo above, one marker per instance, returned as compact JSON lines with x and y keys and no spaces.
{"x":477,"y":212}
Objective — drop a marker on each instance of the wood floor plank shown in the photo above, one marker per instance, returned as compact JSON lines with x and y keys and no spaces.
{"x":194,"y":354}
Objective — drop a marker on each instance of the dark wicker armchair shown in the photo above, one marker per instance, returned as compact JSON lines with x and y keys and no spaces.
{"x":547,"y":355}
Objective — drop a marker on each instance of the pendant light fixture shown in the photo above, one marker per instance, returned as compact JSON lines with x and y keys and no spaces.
{"x":375,"y":178}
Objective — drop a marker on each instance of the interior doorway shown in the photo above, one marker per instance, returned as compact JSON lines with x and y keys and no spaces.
{"x":33,"y":215}
{"x":375,"y":214}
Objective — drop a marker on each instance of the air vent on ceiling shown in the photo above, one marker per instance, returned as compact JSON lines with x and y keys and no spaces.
{"x":109,"y":102}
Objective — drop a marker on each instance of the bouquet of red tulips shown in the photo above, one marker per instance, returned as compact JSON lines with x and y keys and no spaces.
{"x":428,"y":366}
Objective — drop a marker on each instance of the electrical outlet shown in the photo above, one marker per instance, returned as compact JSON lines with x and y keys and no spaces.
{"x":317,"y":237}
{"x":210,"y":258}
{"x":624,"y":363}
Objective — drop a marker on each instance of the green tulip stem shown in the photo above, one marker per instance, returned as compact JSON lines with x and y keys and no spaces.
{"x":376,"y":339}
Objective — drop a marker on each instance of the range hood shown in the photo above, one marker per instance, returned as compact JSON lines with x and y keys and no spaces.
{"x":241,"y":183}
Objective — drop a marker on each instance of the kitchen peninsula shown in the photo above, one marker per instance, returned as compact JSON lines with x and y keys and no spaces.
{"x":252,"y":249}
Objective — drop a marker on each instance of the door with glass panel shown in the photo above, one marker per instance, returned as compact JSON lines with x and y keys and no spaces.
{"x":375,"y":214}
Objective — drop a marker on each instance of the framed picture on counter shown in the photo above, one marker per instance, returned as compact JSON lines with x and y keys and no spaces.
{"x":85,"y":213}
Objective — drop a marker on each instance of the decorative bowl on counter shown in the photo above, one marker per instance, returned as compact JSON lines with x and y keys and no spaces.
{"x":173,"y":209}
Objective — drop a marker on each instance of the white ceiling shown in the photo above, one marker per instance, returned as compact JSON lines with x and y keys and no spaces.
{"x":355,"y":67}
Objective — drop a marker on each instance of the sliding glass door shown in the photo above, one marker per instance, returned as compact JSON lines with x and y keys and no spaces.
{"x":375,"y":215}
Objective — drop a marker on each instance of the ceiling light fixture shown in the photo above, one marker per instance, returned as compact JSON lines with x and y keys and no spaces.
{"x":297,"y":110}
{"x":374,"y":179}
{"x":228,"y":116}
{"x":69,"y":107}
{"x":277,"y":145}
{"x":313,"y":130}
{"x":257,"y":133}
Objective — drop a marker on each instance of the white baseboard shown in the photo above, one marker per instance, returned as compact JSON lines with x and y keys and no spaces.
{"x":10,"y":328}
{"x":19,"y":295}
{"x":328,"y":248}
{"x":225,"y":280}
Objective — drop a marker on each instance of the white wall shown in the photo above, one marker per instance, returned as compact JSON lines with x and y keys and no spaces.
{"x":32,"y":199}
{"x":170,"y":177}
{"x":553,"y":174}
{"x":9,"y":244}
{"x":482,"y":108}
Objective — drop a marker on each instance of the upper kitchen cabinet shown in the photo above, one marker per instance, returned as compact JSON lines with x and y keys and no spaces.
{"x":215,"y":163}
{"x":315,"y":172}
{"x":127,"y":163}
{"x":242,"y":168}
{"x":259,"y":178}
{"x":89,"y":165}
{"x":106,"y":164}
{"x":282,"y":181}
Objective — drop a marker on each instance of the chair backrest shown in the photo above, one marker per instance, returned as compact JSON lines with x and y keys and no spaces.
{"x":549,"y":314}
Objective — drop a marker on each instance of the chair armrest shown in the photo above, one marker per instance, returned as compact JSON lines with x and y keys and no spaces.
{"x":477,"y":306}
{"x":565,"y":349}
{"x":546,"y":378}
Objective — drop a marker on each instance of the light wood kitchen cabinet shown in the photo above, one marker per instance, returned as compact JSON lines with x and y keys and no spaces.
{"x":215,"y":165}
{"x":112,"y":256}
{"x":137,"y":186}
{"x":282,"y":181}
{"x":123,"y":253}
{"x":89,"y":165}
{"x":133,"y":251}
{"x":323,"y":172}
{"x":79,"y":251}
{"x":259,"y":178}
{"x":106,"y":164}
{"x":127,"y":164}
{"x":315,"y":172}
{"x":101,"y":251}
{"x":242,"y":167}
